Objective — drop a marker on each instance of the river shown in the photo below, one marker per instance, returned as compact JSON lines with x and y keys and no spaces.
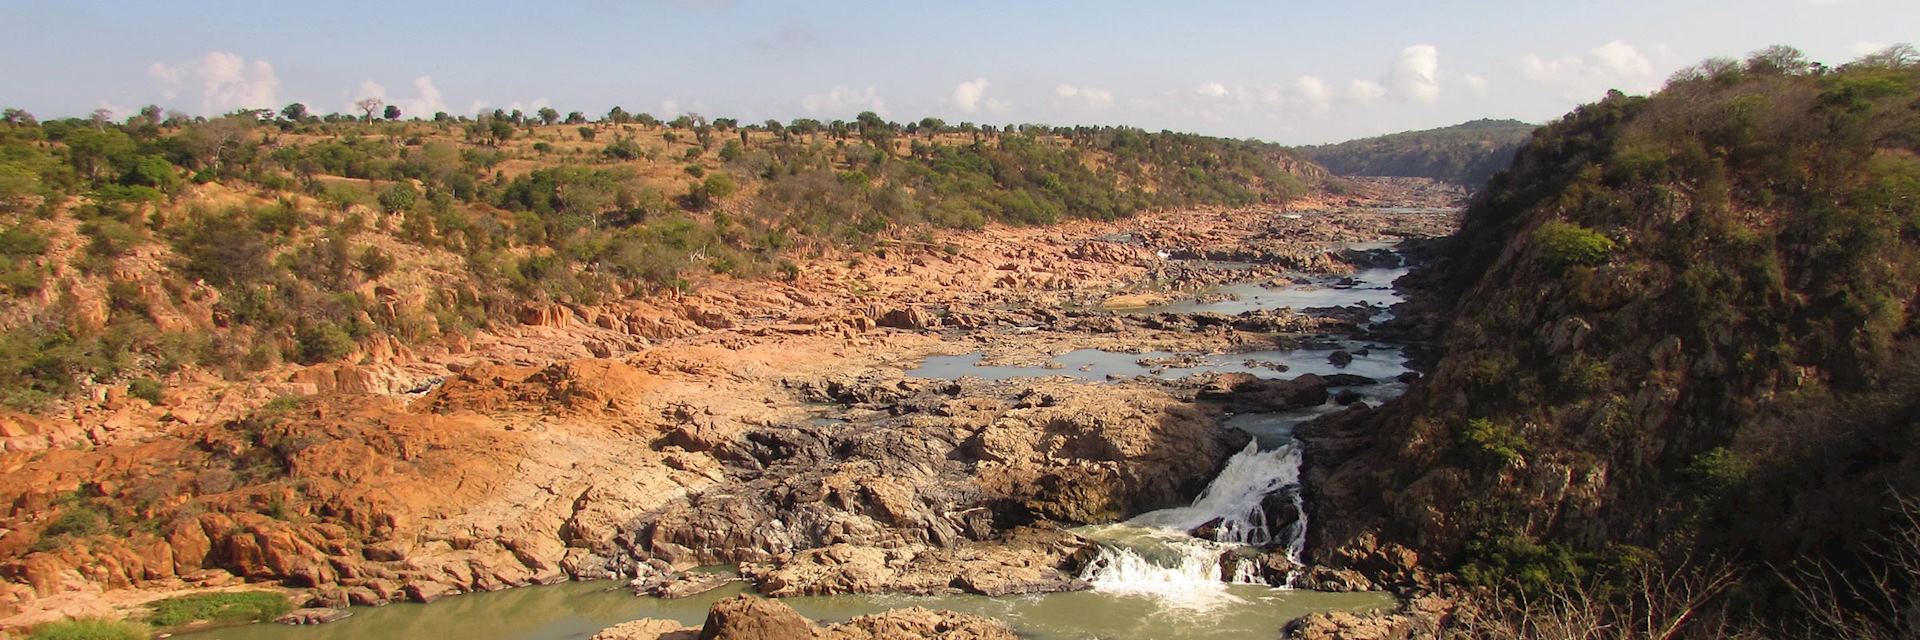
{"x":1151,"y":578}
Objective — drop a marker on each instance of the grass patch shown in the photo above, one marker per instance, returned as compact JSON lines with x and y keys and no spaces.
{"x":230,"y":607}
{"x":90,"y":629}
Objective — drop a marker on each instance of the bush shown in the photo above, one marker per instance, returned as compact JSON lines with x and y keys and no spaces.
{"x":323,"y":342}
{"x":90,"y":629}
{"x":1497,"y":443}
{"x":231,"y":607}
{"x":720,"y":185}
{"x":147,"y":389}
{"x":1564,"y":244}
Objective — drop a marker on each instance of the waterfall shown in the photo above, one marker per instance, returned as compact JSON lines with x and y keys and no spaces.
{"x":1153,"y":554}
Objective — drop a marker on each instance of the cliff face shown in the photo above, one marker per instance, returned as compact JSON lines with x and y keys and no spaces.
{"x":1682,"y":322}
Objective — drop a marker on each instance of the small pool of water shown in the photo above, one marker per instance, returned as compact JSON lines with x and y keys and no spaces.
{"x":1098,"y":366}
{"x":573,"y":611}
{"x":1369,"y":286}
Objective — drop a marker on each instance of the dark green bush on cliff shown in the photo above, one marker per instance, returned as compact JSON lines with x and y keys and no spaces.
{"x":1567,"y":244}
{"x":225,"y":607}
{"x":90,"y":629}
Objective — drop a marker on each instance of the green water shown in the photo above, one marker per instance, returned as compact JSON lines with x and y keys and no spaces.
{"x":577,"y":610}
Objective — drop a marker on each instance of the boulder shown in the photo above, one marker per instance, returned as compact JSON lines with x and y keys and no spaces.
{"x":751,"y":618}
{"x":648,"y":629}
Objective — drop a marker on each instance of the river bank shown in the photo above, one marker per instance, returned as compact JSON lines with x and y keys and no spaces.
{"x":781,"y":427}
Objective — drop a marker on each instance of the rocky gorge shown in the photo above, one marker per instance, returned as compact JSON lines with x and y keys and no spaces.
{"x":779,"y":427}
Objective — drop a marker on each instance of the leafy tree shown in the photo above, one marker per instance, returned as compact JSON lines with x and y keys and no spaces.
{"x":295,"y":112}
{"x":392,"y":112}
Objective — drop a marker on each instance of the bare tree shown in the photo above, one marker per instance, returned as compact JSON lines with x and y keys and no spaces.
{"x":1657,"y":602}
{"x":1879,"y":601}
{"x":370,"y":105}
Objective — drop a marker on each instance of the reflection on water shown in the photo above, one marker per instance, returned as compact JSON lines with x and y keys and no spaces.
{"x":576,"y":610}
{"x":1097,"y":365}
{"x":1368,"y":286}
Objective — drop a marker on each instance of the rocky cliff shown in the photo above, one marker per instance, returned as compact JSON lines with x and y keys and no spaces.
{"x":1683,"y":324}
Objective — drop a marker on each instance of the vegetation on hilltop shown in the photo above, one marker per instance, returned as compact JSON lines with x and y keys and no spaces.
{"x":1467,"y":153}
{"x":141,"y":247}
{"x":1683,"y":331}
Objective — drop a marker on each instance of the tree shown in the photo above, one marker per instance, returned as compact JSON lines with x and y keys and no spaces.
{"x":369,"y":106}
{"x":101,"y":117}
{"x":618,"y":115}
{"x":586,"y":133}
{"x":575,"y":117}
{"x":392,"y":113}
{"x":500,"y":128}
{"x":548,"y":116}
{"x":295,"y":112}
{"x":19,"y":117}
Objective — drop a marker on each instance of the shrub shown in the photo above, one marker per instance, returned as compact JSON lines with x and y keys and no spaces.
{"x":147,"y":389}
{"x":90,"y":629}
{"x":398,"y":197}
{"x":323,"y":342}
{"x":231,"y":607}
{"x":720,"y":185}
{"x":1564,"y":244}
{"x":1498,"y":443}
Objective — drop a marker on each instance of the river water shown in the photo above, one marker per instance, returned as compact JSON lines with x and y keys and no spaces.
{"x":1150,"y":580}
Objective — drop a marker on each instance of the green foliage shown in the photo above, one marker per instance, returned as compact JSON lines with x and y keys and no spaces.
{"x":231,"y":607}
{"x":1493,"y":442}
{"x":1563,"y":244}
{"x":399,"y":197}
{"x":90,"y":629}
{"x":147,"y":389}
{"x":719,"y":185}
{"x":323,"y":342}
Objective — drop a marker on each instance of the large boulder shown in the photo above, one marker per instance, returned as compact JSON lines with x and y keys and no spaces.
{"x":750,"y":618}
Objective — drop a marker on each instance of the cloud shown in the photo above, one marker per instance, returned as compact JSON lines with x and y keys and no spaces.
{"x":226,"y":82}
{"x":1090,"y":97}
{"x":1614,"y":65}
{"x":1415,"y":74}
{"x":844,"y":100}
{"x":968,"y":95}
{"x":1212,"y":90}
{"x":1865,"y":47}
{"x":1365,"y":91}
{"x":1476,"y":84}
{"x":1313,"y":94}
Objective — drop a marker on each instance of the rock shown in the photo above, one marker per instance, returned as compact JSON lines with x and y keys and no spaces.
{"x":313,"y":616}
{"x":1336,"y":380}
{"x":648,"y":629}
{"x":689,"y":584}
{"x":916,"y":624}
{"x":750,"y":618}
{"x":1347,"y":397}
{"x":909,"y":318}
{"x":1340,"y":358}
{"x":1245,"y":393}
{"x":1346,"y":625}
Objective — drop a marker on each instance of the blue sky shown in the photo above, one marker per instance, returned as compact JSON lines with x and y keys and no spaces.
{"x":1282,"y":70}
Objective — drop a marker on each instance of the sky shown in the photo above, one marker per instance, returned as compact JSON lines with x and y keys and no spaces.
{"x":1287,"y":71}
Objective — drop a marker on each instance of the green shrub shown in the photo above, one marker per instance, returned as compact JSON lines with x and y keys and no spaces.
{"x":323,"y":342}
{"x":1564,"y":244}
{"x":228,"y":607}
{"x":1498,"y":443}
{"x":720,"y":185}
{"x":90,"y":629}
{"x":147,"y":389}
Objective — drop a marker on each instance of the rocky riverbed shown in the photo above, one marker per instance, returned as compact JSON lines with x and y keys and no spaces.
{"x":777,"y":426}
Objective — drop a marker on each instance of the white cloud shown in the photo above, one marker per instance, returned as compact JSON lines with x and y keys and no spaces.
{"x":1365,"y":91}
{"x":670,"y":108}
{"x":1864,"y":47}
{"x":1415,"y":74}
{"x":1091,"y":97}
{"x":227,"y":82}
{"x":1614,"y":65}
{"x":998,"y":106}
{"x":1476,"y":84}
{"x":1313,"y":94}
{"x":843,"y":100}
{"x":1212,"y":90}
{"x":967,"y":95}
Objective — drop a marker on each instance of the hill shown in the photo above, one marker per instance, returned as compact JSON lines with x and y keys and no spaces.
{"x":140,"y":249}
{"x":1467,"y":153}
{"x":1681,"y":334}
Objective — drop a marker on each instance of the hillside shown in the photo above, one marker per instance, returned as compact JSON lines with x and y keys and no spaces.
{"x":1468,"y":153}
{"x":1679,"y":330}
{"x":166,"y":246}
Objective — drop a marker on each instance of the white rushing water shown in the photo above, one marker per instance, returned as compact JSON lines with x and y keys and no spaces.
{"x":1153,"y":555}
